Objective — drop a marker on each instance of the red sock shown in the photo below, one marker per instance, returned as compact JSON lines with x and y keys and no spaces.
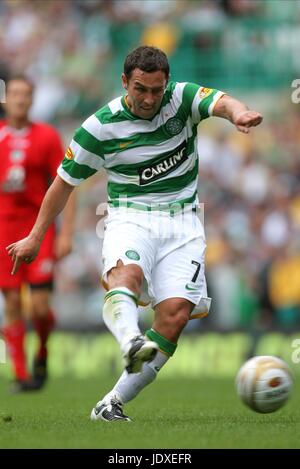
{"x":43,"y":327}
{"x":14,"y":335}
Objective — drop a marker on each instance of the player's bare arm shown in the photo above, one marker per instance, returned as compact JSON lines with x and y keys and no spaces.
{"x":64,"y":239}
{"x":54,"y":201}
{"x":237,"y":113}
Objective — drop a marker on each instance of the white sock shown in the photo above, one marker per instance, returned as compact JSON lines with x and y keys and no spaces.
{"x":120,"y":315}
{"x":130,"y":384}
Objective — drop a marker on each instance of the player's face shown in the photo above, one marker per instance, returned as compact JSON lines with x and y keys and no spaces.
{"x":145,"y":92}
{"x":18,"y":99}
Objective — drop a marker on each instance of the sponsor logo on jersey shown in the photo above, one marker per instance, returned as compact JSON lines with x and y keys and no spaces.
{"x":132,"y":255}
{"x":204,"y":92}
{"x":69,"y":154}
{"x":16,"y":156}
{"x":174,"y":126}
{"x":165,"y":166}
{"x":14,"y":179}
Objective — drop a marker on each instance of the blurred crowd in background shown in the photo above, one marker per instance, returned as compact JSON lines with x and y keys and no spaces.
{"x":74,"y":51}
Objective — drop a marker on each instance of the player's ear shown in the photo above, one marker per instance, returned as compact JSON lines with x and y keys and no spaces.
{"x":124,"y":81}
{"x":167,"y":81}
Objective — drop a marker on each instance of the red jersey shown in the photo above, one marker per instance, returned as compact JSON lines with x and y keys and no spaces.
{"x":29,"y":159}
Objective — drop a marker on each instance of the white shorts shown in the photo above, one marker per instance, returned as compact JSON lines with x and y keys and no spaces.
{"x":169,"y":249}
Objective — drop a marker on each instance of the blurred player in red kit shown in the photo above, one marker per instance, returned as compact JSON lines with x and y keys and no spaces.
{"x":30,"y":153}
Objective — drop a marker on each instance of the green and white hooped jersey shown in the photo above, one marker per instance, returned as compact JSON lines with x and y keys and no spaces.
{"x":149,"y":162}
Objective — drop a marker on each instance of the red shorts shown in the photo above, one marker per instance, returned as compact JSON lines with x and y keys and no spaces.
{"x":40,"y":270}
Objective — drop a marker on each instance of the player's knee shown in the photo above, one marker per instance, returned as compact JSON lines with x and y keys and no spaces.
{"x":180,"y":319}
{"x":12,"y":304}
{"x":40,"y":311}
{"x":171,"y":322}
{"x":40,"y":306}
{"x":180,"y":312}
{"x":129,"y":276}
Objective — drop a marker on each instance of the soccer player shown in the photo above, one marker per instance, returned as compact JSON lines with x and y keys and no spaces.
{"x":154,"y":240}
{"x":30,"y":153}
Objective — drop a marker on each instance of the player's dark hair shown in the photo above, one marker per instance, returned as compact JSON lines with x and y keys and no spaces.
{"x":148,"y":59}
{"x":20,"y":77}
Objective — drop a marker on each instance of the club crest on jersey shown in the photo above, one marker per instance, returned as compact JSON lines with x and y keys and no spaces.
{"x":69,"y":154}
{"x":163,"y":167}
{"x":174,"y":126}
{"x":131,"y":254}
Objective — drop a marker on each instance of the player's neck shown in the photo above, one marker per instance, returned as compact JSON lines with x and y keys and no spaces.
{"x":17,"y":123}
{"x":127,"y":101}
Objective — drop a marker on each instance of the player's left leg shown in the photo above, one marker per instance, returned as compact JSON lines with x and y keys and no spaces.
{"x":171,"y":316}
{"x":128,"y":257}
{"x":43,"y":322}
{"x":39,"y":275}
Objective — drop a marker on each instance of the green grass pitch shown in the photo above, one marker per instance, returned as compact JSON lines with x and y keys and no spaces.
{"x":173,"y":413}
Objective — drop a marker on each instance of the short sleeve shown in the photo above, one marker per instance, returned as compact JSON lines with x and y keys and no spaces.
{"x":84,"y":156}
{"x":203,"y":100}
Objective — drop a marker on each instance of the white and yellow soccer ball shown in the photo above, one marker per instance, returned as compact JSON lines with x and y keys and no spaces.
{"x":264,"y":383}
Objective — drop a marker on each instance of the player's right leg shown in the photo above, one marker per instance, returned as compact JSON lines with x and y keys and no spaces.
{"x":14,"y":334}
{"x":14,"y":325}
{"x":129,"y":256}
{"x":120,"y":315}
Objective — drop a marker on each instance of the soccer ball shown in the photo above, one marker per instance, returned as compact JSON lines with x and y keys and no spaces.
{"x":264,"y":383}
